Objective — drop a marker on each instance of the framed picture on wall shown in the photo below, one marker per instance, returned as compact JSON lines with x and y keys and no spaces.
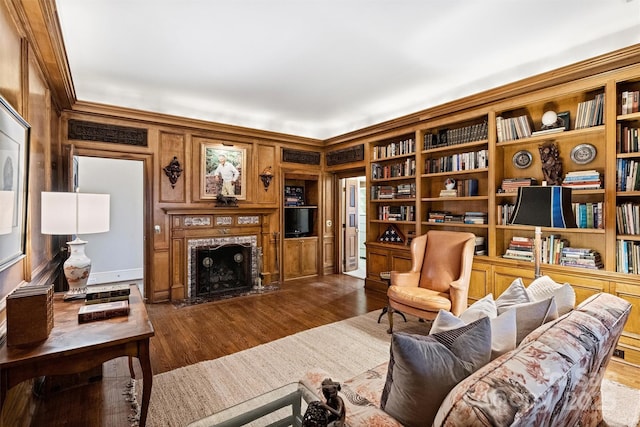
{"x":223,"y":171}
{"x":14,"y":162}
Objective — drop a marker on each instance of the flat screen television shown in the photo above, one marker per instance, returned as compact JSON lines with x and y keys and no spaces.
{"x":298,"y":222}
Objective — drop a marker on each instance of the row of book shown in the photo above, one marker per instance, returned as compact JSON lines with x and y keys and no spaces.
{"x":481,"y":247}
{"x":407,"y":146}
{"x":463,"y":188}
{"x":629,"y":101}
{"x":511,"y":185}
{"x":628,"y":218}
{"x":405,"y":168}
{"x":582,"y":180}
{"x":396,"y":213}
{"x":105,"y":302}
{"x":590,"y":113}
{"x":628,"y":256}
{"x":446,"y":137}
{"x":627,"y":141}
{"x":466,"y":218}
{"x":627,"y":176}
{"x":504,"y":212}
{"x":386,"y":192}
{"x":589,"y":214}
{"x":458,"y":162}
{"x":512,"y":128}
{"x":554,"y":250}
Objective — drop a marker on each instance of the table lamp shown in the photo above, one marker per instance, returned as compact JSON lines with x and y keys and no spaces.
{"x":6,"y":213}
{"x":74,"y":214}
{"x":543,"y":206}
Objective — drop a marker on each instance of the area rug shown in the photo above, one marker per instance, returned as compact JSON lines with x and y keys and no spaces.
{"x":344,"y":348}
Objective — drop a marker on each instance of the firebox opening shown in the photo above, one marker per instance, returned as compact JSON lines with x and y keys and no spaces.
{"x":223,"y":268}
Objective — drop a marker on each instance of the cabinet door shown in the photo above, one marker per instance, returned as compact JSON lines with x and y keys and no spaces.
{"x":292,"y":256}
{"x":309,"y":257}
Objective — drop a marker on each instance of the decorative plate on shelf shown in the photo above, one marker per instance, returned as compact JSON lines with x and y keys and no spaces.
{"x":583,"y":154}
{"x":522,"y":159}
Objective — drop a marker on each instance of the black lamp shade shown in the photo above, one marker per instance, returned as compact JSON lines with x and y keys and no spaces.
{"x":544,"y":206}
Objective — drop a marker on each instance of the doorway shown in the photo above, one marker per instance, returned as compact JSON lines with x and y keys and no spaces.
{"x":117,"y":255}
{"x":353,"y":216}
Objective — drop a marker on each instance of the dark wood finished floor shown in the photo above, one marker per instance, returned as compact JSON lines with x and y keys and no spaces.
{"x":207,"y":331}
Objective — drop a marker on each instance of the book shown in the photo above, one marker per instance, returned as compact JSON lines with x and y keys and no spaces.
{"x":107,"y":291}
{"x":105,"y":310}
{"x":107,"y":299}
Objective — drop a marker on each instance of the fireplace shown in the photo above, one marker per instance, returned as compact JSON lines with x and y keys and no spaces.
{"x":223,"y":268}
{"x":222,"y":265}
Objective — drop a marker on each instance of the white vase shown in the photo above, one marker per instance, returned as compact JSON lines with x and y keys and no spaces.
{"x":77,"y":267}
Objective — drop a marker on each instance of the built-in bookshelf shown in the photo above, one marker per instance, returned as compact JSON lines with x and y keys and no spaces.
{"x":627,"y":178}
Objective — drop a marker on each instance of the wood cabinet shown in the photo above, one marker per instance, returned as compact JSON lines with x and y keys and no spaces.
{"x":301,"y":257}
{"x":301,"y":219}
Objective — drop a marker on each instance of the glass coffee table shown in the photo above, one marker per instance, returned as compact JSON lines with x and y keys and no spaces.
{"x":284,"y":406}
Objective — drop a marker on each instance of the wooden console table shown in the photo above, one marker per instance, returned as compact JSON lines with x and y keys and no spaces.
{"x":74,"y":347}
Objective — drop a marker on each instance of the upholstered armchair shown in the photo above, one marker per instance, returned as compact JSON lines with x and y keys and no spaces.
{"x":438,"y":279}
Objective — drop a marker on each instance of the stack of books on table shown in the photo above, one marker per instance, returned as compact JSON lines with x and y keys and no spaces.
{"x":520,"y":248}
{"x":581,"y":257}
{"x":510,"y":185}
{"x":481,"y":248}
{"x":105,"y":302}
{"x":582,"y":180}
{"x":449,"y":193}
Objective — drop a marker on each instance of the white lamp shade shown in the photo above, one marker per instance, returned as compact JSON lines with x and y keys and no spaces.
{"x":7,"y":202}
{"x":74,"y":213}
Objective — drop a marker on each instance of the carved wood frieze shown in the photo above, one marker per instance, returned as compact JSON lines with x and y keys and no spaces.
{"x":346,"y":155}
{"x":173,"y":171}
{"x":298,"y":156}
{"x":101,"y":132}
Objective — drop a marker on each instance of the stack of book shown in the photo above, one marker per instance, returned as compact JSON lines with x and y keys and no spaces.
{"x":457,"y":218}
{"x":475,"y":217}
{"x":437,"y":216}
{"x":481,"y":248}
{"x":396,"y":213}
{"x":511,"y":185}
{"x":591,"y":113}
{"x":105,"y":302}
{"x":449,"y":193}
{"x":581,"y":257}
{"x":383,"y":192}
{"x":520,"y":248}
{"x":582,"y":180}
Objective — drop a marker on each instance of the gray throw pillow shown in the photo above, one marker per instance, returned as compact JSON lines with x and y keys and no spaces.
{"x":424,"y":369}
{"x":516,"y":293}
{"x":545,"y":287}
{"x":533,"y":314}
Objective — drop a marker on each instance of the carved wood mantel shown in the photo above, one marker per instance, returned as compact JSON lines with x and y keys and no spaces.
{"x":193,"y":224}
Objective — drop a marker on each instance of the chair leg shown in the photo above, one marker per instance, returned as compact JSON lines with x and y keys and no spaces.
{"x":390,"y":316}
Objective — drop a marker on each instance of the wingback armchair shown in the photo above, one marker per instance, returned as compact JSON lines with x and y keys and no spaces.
{"x":439,"y":276}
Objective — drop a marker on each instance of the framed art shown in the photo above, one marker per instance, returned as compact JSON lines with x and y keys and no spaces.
{"x":14,"y":161}
{"x":223,"y":171}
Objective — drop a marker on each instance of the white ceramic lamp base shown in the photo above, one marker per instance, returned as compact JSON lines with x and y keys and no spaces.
{"x":76,"y":269}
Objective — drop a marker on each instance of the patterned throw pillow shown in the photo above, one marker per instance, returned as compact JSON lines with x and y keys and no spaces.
{"x":424,"y":369}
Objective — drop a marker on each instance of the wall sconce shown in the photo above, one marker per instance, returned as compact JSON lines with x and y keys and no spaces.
{"x":266,"y":176}
{"x":173,"y":171}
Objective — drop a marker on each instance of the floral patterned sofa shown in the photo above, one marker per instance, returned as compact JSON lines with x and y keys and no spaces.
{"x":552,"y":378}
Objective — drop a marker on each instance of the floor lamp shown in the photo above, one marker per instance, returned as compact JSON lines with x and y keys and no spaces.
{"x":543,"y":206}
{"x":74,"y":214}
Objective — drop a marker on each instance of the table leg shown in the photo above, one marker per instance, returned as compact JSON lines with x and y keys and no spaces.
{"x":132,"y":373}
{"x":147,"y":379}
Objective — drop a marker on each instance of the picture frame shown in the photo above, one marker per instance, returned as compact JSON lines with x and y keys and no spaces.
{"x":14,"y":163}
{"x":213,"y":173}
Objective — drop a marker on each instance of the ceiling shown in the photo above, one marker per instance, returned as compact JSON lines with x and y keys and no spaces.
{"x":321,"y":68}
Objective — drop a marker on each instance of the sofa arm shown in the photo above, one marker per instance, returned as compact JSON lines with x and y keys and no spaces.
{"x":360,"y":411}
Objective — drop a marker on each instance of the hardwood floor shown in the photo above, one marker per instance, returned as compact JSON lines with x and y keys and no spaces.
{"x":195,"y":333}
